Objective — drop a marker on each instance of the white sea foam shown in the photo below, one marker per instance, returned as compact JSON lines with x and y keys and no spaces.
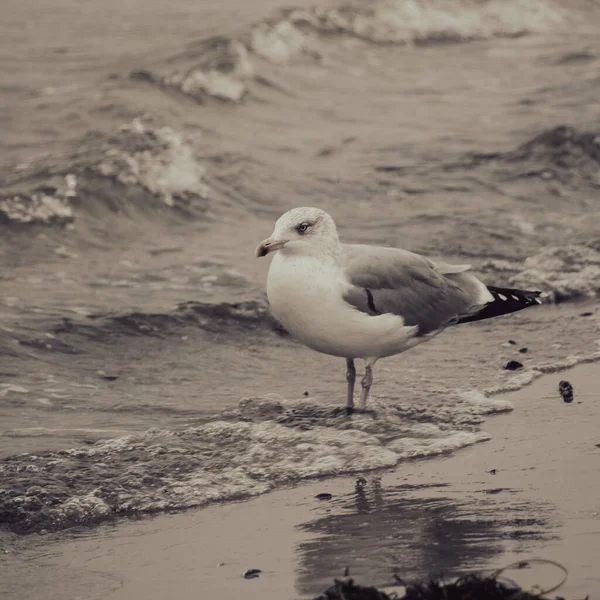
{"x":51,"y":206}
{"x":264,"y":443}
{"x":167,"y":169}
{"x":405,"y":22}
{"x":566,"y":271}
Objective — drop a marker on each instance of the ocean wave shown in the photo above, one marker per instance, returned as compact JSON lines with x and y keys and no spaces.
{"x":570,"y":272}
{"x":141,"y":161}
{"x":159,"y":160}
{"x":48,"y":204}
{"x":220,"y":317}
{"x":409,"y":21}
{"x":226,"y":67}
{"x":559,"y":154}
{"x":72,"y":335}
{"x":221,"y":69}
{"x":262,"y":444}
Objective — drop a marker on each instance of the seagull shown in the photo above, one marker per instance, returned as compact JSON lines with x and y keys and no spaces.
{"x":366,"y":302}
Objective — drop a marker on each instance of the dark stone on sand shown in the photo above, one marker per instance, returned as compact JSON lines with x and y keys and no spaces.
{"x":492,"y":471}
{"x":512,"y":342}
{"x":523,"y":350}
{"x":513,"y":365}
{"x":566,"y":391}
{"x":586,"y":314}
{"x":306,"y":393}
{"x":324,"y":496}
{"x":252,"y":573}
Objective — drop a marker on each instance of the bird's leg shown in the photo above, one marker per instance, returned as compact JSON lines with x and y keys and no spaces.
{"x":350,"y":378}
{"x":366,"y":382}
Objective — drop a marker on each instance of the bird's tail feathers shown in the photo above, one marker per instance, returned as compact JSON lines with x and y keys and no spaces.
{"x":506,"y":300}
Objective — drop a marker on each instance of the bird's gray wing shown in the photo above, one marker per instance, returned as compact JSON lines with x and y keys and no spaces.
{"x":429,"y":295}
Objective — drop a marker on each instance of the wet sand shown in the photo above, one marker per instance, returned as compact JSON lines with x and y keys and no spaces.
{"x":447,"y":515}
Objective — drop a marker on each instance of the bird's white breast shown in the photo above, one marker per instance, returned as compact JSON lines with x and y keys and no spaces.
{"x":300,"y":291}
{"x":306,"y":296}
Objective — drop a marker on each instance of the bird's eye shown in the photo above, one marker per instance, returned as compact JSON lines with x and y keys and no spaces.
{"x":302,"y":227}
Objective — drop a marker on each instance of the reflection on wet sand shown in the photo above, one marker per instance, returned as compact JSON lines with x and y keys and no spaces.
{"x":417,"y":531}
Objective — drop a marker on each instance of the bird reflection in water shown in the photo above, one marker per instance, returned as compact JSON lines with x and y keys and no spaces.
{"x":417,"y":531}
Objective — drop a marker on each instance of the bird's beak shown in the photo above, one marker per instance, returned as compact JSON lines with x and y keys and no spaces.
{"x":269,"y":245}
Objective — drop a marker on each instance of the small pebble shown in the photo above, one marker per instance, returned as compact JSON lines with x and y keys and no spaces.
{"x":566,"y":391}
{"x":252,"y":573}
{"x":586,"y":314}
{"x":492,"y":471}
{"x":513,"y":365}
{"x":306,"y":393}
{"x":324,"y":496}
{"x":523,"y":350}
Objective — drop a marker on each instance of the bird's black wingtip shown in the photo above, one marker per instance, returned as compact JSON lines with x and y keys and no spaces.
{"x":506,"y":301}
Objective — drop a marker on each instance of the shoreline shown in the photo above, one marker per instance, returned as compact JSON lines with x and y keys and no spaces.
{"x":530,"y":492}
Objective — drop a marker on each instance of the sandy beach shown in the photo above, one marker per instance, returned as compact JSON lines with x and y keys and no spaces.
{"x":532,"y":491}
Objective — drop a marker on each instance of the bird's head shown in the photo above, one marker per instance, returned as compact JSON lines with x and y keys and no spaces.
{"x":303,"y":230}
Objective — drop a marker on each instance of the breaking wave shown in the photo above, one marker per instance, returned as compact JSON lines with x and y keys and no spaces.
{"x":226,"y":68}
{"x":157,"y":162}
{"x":262,"y":444}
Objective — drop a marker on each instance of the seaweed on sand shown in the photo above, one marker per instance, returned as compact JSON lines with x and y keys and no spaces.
{"x":467,"y":587}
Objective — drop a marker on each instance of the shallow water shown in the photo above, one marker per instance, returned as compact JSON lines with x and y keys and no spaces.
{"x":529,"y":492}
{"x":136,"y":348}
